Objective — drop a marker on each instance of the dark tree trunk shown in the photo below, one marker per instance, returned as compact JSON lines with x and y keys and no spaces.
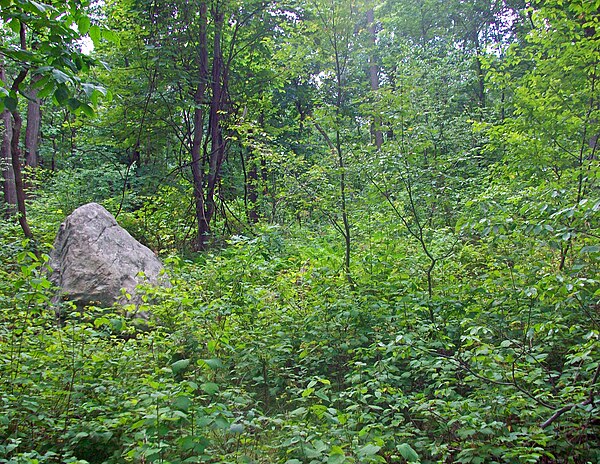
{"x":217,"y":151}
{"x":252,"y":188}
{"x":15,"y":151}
{"x":480,"y":72}
{"x":197,"y":165}
{"x":16,"y":165}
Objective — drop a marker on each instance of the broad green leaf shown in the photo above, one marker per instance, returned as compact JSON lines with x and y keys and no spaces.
{"x":14,"y":25}
{"x":336,"y":455}
{"x":368,"y":450}
{"x":73,"y":104}
{"x":590,"y":249}
{"x":10,"y":103}
{"x":40,"y":7}
{"x":60,"y":76}
{"x":213,"y":363}
{"x":88,"y":89}
{"x":182,"y":403}
{"x":180,"y":365}
{"x":116,"y":324}
{"x":210,"y":387}
{"x":47,"y":90}
{"x":87,"y":110}
{"x":236,"y":428}
{"x":95,"y":34}
{"x":407,"y":452}
{"x":83,"y":24}
{"x":110,"y":36}
{"x":321,"y":394}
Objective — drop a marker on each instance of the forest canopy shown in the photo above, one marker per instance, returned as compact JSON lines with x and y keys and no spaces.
{"x":380,"y":220}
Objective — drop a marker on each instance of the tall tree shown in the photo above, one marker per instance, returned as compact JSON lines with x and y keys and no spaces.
{"x":338,"y":21}
{"x":374,"y":74}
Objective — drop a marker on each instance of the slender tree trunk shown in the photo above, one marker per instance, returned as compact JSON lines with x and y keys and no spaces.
{"x":8,"y":176}
{"x":252,"y":188}
{"x":15,"y":151}
{"x":197,"y":165}
{"x":374,"y":78}
{"x":215,"y":158}
{"x":32,"y":131}
{"x":345,"y":220}
{"x":16,"y":165}
{"x":480,"y":73}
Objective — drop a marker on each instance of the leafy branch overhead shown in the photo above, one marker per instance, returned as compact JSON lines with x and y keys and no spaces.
{"x":45,"y":41}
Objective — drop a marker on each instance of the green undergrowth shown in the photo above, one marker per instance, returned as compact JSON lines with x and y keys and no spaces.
{"x":262,"y":353}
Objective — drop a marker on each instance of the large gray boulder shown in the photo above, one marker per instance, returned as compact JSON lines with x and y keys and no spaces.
{"x":94,"y":259}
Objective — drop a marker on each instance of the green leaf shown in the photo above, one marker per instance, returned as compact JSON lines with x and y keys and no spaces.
{"x":182,"y":403}
{"x":83,"y":24}
{"x":73,"y":104}
{"x":15,"y":25}
{"x":88,"y":89}
{"x":101,"y":321}
{"x":87,"y":110}
{"x":10,"y":103}
{"x":210,"y":387}
{"x":40,"y":7}
{"x":95,"y":34}
{"x":368,"y":450}
{"x":407,"y":452}
{"x":116,"y":324}
{"x":336,"y":458}
{"x":47,"y":90}
{"x":321,"y":394}
{"x":236,"y":428}
{"x":213,"y":363}
{"x":110,"y":36}
{"x":590,"y":249}
{"x":180,"y":365}
{"x":60,"y":76}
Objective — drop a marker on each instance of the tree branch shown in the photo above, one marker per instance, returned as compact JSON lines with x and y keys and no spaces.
{"x":563,"y":410}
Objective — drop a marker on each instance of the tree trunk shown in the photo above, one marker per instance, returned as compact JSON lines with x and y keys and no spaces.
{"x":32,"y":131}
{"x":252,"y":188}
{"x":374,"y":78}
{"x":8,"y":175}
{"x":16,"y":165}
{"x":480,"y":72}
{"x":215,"y":158}
{"x":197,"y":165}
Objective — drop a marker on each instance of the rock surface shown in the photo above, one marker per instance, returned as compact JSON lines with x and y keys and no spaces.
{"x":94,"y":258}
